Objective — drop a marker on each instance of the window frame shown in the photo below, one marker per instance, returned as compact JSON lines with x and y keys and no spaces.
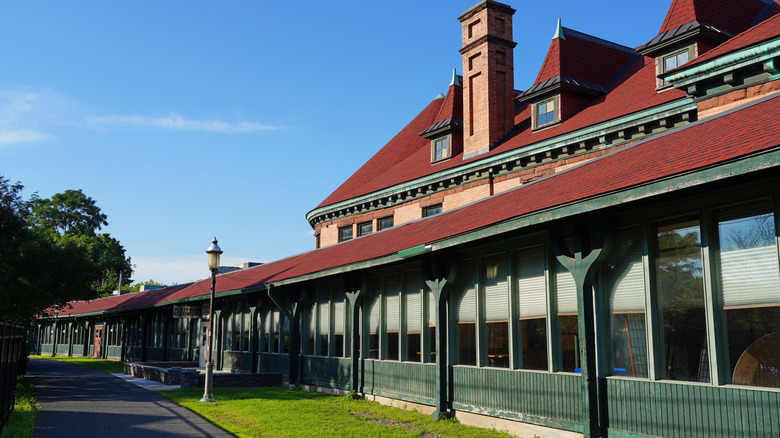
{"x":343,"y":232}
{"x":446,"y":151}
{"x":379,"y":223}
{"x":433,"y":210}
{"x":555,"y":112}
{"x":660,"y":61}
{"x":360,"y":226}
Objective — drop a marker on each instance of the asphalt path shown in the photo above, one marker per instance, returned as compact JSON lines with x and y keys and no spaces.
{"x":76,"y":401}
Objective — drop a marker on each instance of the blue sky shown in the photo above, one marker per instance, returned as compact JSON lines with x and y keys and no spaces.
{"x":187,"y":120}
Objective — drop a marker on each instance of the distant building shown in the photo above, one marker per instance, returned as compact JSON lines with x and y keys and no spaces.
{"x":594,"y":255}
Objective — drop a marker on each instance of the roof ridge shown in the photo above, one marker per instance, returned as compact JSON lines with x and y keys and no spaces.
{"x":597,"y":40}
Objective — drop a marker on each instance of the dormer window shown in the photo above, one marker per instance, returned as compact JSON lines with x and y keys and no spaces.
{"x":545,"y":112}
{"x":670,"y":61}
{"x":440,"y":149}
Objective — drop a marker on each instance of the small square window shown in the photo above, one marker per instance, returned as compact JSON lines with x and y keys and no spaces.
{"x":384,"y":222}
{"x":672,"y":61}
{"x":365,"y":228}
{"x":345,"y":233}
{"x":432,"y":210}
{"x":545,"y":113}
{"x":440,"y":149}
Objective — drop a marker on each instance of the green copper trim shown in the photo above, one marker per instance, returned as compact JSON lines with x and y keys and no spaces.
{"x":413,"y":251}
{"x":559,"y":31}
{"x":599,"y":130}
{"x":725,"y":64}
{"x":440,"y":96}
{"x":455,"y":79}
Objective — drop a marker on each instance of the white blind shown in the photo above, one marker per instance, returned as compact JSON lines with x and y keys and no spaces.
{"x":392,"y":301}
{"x":750,"y":277}
{"x":373,"y":319}
{"x":531,"y":284}
{"x":625,"y":274}
{"x":313,"y":319}
{"x":268,"y":321}
{"x":496,"y":289}
{"x":566,"y":290}
{"x":413,"y":302}
{"x":324,"y":305}
{"x":338,"y":317}
{"x":432,"y":306}
{"x":467,"y":302}
{"x":276,"y":321}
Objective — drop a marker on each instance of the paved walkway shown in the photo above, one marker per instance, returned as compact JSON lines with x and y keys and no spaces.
{"x":81,"y":402}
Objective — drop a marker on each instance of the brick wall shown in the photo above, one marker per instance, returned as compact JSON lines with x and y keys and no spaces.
{"x":718,"y":104}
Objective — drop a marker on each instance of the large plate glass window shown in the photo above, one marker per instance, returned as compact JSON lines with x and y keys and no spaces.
{"x":413,"y":297}
{"x":392,"y":315}
{"x":466,"y":301}
{"x":624,"y":277}
{"x":750,"y":287}
{"x":532,"y":307}
{"x":323,"y":302}
{"x":496,"y":296}
{"x":566,"y":294}
{"x":679,"y":285}
{"x":338,"y":326}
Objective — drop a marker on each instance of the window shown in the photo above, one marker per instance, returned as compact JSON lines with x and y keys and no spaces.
{"x":467,"y":315}
{"x":569,"y":342}
{"x":496,"y":296}
{"x":680,"y":287}
{"x":373,"y":322}
{"x":672,"y":61}
{"x":750,"y":288}
{"x":345,"y":233}
{"x":432,"y":210}
{"x":625,"y":283}
{"x":413,"y":304}
{"x":392,"y":316}
{"x":545,"y":113}
{"x":338,"y":327}
{"x":384,"y":222}
{"x":365,"y":228}
{"x":440,"y":149}
{"x":532,"y":303}
{"x":324,"y":308}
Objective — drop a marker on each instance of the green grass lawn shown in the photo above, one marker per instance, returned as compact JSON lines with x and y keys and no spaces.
{"x":280,"y":412}
{"x":109,"y":366}
{"x":21,"y":423}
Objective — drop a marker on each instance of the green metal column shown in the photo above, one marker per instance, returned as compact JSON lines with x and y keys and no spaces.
{"x":439,"y":274}
{"x":288,"y":304}
{"x":583,"y":265}
{"x":354,"y":304}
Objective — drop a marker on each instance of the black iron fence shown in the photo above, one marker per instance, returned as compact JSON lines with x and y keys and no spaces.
{"x":11,"y":357}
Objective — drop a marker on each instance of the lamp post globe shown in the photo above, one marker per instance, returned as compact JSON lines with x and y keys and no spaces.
{"x":213,"y":251}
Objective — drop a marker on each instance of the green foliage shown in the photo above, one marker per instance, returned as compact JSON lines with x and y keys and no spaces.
{"x":136,"y":287}
{"x":21,"y":423}
{"x":51,"y":253}
{"x":278,"y":412}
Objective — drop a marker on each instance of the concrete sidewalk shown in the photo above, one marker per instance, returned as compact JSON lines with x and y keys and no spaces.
{"x":77,"y":401}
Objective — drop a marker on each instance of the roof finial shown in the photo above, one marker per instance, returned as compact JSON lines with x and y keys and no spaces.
{"x":440,"y":96}
{"x":455,"y":79}
{"x":559,"y":31}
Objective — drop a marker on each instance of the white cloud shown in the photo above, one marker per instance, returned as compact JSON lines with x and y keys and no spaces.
{"x":8,"y":137}
{"x":175,"y":121}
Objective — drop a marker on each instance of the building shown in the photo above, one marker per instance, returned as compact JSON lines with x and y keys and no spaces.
{"x":596,"y":255}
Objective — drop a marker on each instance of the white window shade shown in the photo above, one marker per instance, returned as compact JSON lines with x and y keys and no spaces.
{"x":496,"y":289}
{"x":413,"y":302}
{"x":467,"y":297}
{"x":313,"y":319}
{"x":392,"y":303}
{"x":324,"y":305}
{"x":750,"y":277}
{"x":566,"y":290}
{"x":276,"y":321}
{"x":432,"y":306}
{"x":374,"y":311}
{"x":531,"y":283}
{"x":624,"y":273}
{"x":338,"y":317}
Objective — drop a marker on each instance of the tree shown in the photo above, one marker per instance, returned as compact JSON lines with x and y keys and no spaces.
{"x":136,"y":287}
{"x":49,"y":257}
{"x":74,"y":218}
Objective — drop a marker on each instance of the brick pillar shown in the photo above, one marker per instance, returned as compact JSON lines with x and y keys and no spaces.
{"x":488,"y":76}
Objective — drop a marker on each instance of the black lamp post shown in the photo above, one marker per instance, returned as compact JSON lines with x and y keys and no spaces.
{"x":214,"y":252}
{"x":56,"y":328}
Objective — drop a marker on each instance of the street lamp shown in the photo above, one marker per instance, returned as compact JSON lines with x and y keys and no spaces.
{"x":56,"y":320}
{"x":214,"y":252}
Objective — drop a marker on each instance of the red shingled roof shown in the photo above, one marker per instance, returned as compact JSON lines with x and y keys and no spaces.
{"x":732,"y":16}
{"x":697,"y":146}
{"x":633,"y":91}
{"x":405,"y":143}
{"x":766,"y":30}
{"x":584,"y":57}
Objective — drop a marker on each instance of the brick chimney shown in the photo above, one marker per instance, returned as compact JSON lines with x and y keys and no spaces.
{"x":488,"y":76}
